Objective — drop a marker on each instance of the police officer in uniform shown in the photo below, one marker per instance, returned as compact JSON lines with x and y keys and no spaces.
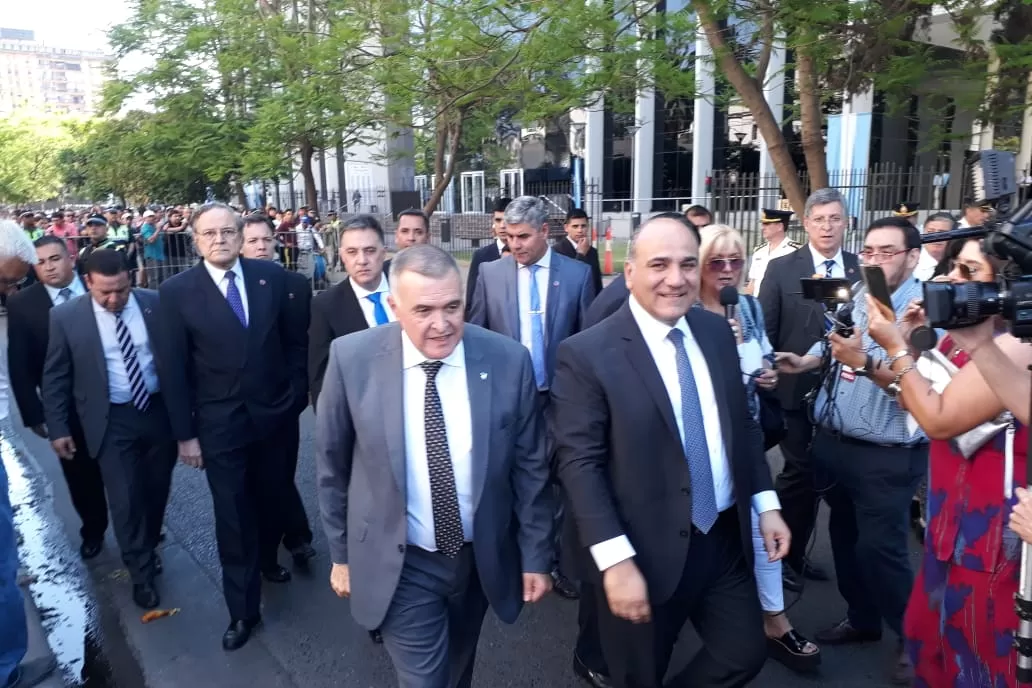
{"x":907,"y":211}
{"x":29,"y":224}
{"x":96,"y":228}
{"x":775,"y":245}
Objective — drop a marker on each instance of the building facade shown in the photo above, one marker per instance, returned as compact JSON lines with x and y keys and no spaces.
{"x":45,"y":79}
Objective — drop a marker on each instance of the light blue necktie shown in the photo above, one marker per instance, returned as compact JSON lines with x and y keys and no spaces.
{"x":829,"y":265}
{"x":234,"y":298}
{"x":537,"y":330}
{"x":696,"y":451}
{"x":379,"y":312}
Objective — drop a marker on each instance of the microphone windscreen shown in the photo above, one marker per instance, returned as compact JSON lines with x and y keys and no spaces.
{"x":729,"y":296}
{"x":923,"y":338}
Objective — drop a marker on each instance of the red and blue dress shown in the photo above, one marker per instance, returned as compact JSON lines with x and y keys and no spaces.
{"x":960,"y":621}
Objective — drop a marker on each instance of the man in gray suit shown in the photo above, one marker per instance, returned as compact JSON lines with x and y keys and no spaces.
{"x":103,"y":365}
{"x":539,"y":298}
{"x":432,"y":475}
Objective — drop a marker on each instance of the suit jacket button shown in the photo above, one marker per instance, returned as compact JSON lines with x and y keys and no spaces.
{"x":684,"y":533}
{"x":401,"y":548}
{"x":685,"y":491}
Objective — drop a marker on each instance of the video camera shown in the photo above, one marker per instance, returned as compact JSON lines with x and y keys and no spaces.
{"x":1007,"y":237}
{"x":837,"y":297}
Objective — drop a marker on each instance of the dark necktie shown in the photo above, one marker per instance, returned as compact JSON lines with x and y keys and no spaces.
{"x":443,"y":495}
{"x":234,"y":298}
{"x":137,"y":387}
{"x":696,"y":451}
{"x":829,"y":265}
{"x":65,"y":294}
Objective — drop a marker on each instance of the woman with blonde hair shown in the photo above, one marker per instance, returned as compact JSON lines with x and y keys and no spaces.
{"x":721,"y":265}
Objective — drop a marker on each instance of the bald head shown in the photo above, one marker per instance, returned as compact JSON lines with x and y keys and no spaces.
{"x":662,"y":268}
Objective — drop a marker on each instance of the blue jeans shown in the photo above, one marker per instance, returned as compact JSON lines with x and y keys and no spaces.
{"x":14,"y":637}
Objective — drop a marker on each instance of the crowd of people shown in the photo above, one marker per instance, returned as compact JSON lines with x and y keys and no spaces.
{"x":481,"y":445}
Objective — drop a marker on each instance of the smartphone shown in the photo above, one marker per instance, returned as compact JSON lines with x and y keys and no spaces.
{"x":877,"y":286}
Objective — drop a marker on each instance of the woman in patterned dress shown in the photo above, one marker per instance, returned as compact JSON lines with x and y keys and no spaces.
{"x":960,"y":620}
{"x":721,"y":261}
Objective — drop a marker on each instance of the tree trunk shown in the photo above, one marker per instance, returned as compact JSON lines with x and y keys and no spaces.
{"x":444,"y":165}
{"x":238,"y":189}
{"x":811,"y":118}
{"x":307,"y":151}
{"x":752,"y":97}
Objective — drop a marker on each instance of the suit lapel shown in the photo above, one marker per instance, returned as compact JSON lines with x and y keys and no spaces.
{"x":511,"y":297}
{"x":711,"y":352}
{"x":388,"y":373}
{"x":349,"y":315}
{"x":479,"y":381}
{"x":851,"y":265}
{"x":217,"y":304}
{"x":91,"y":331}
{"x":640,"y":360}
{"x":554,"y":283}
{"x":259,"y":298}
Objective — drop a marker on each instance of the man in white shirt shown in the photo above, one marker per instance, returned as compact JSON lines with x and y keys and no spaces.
{"x":932,"y":254}
{"x":120,"y":407}
{"x":775,"y":244}
{"x":435,"y":504}
{"x":976,"y":213}
{"x":662,"y":463}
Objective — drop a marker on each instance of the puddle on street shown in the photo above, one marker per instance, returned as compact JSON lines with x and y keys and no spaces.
{"x":66,"y":607}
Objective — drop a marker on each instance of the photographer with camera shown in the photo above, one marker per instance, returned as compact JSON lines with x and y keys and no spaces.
{"x":960,"y":620}
{"x":864,"y":446}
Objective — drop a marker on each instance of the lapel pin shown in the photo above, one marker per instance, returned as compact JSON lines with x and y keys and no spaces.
{"x":261,"y":282}
{"x":555,"y":284}
{"x":290,"y":295}
{"x":147,"y":311}
{"x":483,"y":376}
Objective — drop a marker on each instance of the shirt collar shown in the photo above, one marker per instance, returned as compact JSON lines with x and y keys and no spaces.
{"x":130,"y":305}
{"x":653,"y":330}
{"x":75,"y":286}
{"x":501,"y":245}
{"x":412,"y":357}
{"x":217,"y":274}
{"x":361,"y":292}
{"x":545,"y":261}
{"x":819,"y":259}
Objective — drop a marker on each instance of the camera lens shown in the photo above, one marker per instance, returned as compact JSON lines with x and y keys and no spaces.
{"x":949,"y":306}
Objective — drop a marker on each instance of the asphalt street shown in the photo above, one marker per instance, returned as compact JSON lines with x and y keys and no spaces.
{"x":309,"y":639}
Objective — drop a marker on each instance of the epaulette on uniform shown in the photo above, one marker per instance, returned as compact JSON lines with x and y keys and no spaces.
{"x":794,"y":244}
{"x":762,"y":246}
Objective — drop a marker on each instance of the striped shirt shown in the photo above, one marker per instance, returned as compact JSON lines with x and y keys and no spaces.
{"x":861,"y":409}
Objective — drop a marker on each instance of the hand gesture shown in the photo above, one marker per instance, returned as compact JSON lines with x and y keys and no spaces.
{"x":777,"y":538}
{"x":768,"y":379}
{"x":736,"y":329}
{"x":881,"y":325}
{"x":790,"y":363}
{"x":913,"y":317}
{"x":970,"y":338}
{"x":583,"y":245}
{"x":626,"y":592}
{"x":340,"y":580}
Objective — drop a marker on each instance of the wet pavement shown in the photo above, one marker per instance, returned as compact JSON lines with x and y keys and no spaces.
{"x":308,"y":638}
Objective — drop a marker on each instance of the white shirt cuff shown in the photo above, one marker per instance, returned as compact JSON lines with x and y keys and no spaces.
{"x":764,"y":501}
{"x":817,"y":349}
{"x":611,"y":552}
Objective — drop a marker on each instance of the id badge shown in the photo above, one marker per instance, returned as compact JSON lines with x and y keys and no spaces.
{"x":847,"y":374}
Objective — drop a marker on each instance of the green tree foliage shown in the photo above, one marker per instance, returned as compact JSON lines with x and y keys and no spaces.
{"x":29,"y":152}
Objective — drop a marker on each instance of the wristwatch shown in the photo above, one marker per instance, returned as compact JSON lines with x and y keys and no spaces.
{"x":868,"y":368}
{"x":893,"y":389}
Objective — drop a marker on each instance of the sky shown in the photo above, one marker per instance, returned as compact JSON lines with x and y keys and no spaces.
{"x":65,"y":23}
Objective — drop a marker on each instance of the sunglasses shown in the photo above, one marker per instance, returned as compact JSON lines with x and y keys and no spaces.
{"x":721,"y":264}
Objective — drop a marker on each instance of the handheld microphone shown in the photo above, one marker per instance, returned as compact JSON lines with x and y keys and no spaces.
{"x":729,"y":299}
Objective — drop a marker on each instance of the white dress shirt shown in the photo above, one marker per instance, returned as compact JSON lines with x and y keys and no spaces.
{"x":119,"y":389}
{"x":761,"y":258}
{"x":368,"y":308}
{"x":926,"y":265}
{"x":501,"y":246}
{"x":453,"y":392}
{"x":523,"y":298}
{"x":656,"y":335}
{"x":838,"y":270}
{"x":218,"y":276}
{"x":75,"y":286}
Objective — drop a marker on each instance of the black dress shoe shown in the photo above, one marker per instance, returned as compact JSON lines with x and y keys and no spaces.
{"x":302,"y":553}
{"x":238,"y":633}
{"x":843,"y":633}
{"x":276,"y":574}
{"x":376,"y":637}
{"x":145,"y":595}
{"x":791,"y":580}
{"x":813,"y":572}
{"x":593,"y":678}
{"x":90,"y":548}
{"x":564,"y":587}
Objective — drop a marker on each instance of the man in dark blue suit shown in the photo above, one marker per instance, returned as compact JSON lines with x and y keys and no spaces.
{"x":241,"y":359}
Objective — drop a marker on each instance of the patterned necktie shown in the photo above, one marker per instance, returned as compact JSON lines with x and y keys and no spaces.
{"x":537,"y":329}
{"x":443,"y":495}
{"x":65,"y":294}
{"x":234,"y":298}
{"x":379,"y":312}
{"x":696,"y":451}
{"x":137,"y":387}
{"x":829,"y":265}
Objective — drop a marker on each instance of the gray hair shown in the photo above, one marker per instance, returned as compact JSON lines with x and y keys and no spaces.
{"x":824,"y":197}
{"x":216,"y":205}
{"x":941,"y":217}
{"x":15,"y":243}
{"x":527,"y":210}
{"x":423,"y":259}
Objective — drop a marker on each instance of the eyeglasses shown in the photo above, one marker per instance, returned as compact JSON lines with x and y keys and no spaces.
{"x":721,"y":264}
{"x":227,"y":232}
{"x":827,"y":221}
{"x":870,"y":256}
